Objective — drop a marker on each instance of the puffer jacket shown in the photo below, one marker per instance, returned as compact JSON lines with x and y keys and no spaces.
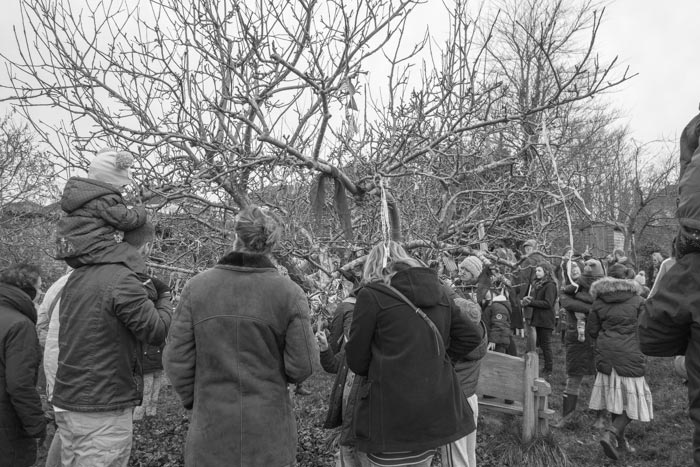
{"x":95,"y":212}
{"x":241,"y":332}
{"x":579,"y":355}
{"x":104,"y":314}
{"x":497,"y":320}
{"x":544,"y":296}
{"x":612,"y":323}
{"x":669,"y":325}
{"x":411,"y":400}
{"x":21,"y":416}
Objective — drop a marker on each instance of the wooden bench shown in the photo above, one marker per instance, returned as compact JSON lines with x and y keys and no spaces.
{"x":505,"y":377}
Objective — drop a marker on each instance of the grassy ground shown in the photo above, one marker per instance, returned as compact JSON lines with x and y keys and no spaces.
{"x":666,"y":441}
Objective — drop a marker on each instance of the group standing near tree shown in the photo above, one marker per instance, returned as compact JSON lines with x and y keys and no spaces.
{"x":406,"y":346}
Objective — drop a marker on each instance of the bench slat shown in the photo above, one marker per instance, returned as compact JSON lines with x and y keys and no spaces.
{"x":501,"y":375}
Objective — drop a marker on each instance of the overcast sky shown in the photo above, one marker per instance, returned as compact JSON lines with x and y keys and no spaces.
{"x":659,"y":40}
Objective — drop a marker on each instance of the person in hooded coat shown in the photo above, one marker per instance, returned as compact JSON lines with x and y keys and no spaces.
{"x":620,"y":386}
{"x":577,"y":301}
{"x":411,"y":402}
{"x":22,"y":420}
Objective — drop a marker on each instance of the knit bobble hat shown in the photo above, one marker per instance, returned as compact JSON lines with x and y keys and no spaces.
{"x":112,"y":166}
{"x":470,"y":268}
{"x":593,"y":268}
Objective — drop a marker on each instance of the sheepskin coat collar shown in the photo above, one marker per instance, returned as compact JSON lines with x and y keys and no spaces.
{"x":612,"y":290}
{"x":246,"y":260}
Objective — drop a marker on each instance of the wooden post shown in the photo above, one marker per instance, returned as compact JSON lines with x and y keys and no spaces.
{"x":529,"y":406}
{"x":530,"y":338}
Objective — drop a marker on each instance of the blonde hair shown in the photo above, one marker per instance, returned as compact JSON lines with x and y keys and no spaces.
{"x":256,"y":232}
{"x":374,"y":270}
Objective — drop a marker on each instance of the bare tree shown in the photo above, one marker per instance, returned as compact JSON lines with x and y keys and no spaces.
{"x":27,"y":178}
{"x":232,"y":103}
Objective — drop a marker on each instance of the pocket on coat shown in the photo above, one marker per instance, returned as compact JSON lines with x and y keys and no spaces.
{"x":361,"y":420}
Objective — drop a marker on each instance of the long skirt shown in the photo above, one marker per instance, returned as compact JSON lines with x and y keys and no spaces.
{"x":620,"y":394}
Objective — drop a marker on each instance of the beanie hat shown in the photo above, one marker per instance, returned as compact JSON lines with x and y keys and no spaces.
{"x":111,"y":166}
{"x":470,"y":268}
{"x":592,"y":268}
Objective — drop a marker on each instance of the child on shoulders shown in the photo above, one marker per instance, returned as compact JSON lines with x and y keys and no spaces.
{"x":96,"y":215}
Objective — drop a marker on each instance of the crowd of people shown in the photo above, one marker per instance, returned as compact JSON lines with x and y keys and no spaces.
{"x":405,"y":344}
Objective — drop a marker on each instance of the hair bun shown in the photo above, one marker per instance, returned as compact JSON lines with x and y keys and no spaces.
{"x":257,"y":232}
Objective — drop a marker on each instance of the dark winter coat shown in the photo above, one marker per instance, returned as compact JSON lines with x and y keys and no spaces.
{"x":669,"y":325}
{"x":497,"y":320}
{"x":689,"y":143}
{"x":688,"y":211}
{"x":95,"y":212}
{"x":339,"y":415}
{"x":524,"y":274}
{"x":240,"y":334}
{"x":105,"y":314}
{"x":612,"y":323}
{"x":411,"y":400}
{"x":21,"y":416}
{"x":544,"y":296}
{"x":152,"y":360}
{"x":579,"y":355}
{"x":468,"y":368}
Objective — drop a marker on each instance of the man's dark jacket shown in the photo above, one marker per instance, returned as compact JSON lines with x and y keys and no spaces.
{"x":669,"y":324}
{"x":105,"y":315}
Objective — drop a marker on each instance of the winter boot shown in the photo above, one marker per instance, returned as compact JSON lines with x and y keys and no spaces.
{"x":624,"y":444}
{"x":567,"y":410}
{"x":609,"y":443}
{"x":599,"y":423}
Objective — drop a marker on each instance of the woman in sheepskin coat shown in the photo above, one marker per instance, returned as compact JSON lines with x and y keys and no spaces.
{"x":240,"y":335}
{"x":620,"y":386}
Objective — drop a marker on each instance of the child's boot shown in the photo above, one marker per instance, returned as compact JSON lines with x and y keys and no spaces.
{"x":624,"y":444}
{"x":609,"y":443}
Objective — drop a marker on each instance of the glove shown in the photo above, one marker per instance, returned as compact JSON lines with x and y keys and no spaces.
{"x":161,"y":287}
{"x":491,"y":346}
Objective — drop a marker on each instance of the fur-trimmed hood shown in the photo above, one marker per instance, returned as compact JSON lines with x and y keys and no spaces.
{"x":612,"y":290}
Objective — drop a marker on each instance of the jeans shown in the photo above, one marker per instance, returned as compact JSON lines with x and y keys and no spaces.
{"x":152,"y":382}
{"x":544,"y":342}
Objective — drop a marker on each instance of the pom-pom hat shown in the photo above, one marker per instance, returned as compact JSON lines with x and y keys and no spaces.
{"x":111,"y":166}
